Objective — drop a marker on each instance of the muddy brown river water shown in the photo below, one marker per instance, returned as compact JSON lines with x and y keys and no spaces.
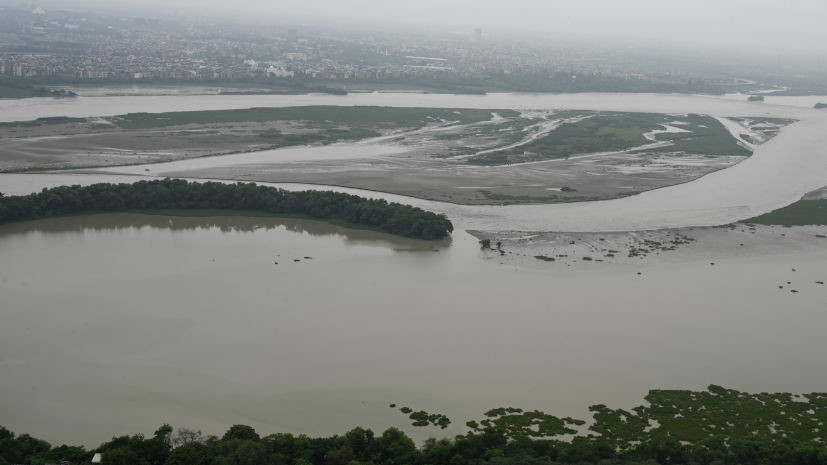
{"x":115,"y":324}
{"x":118,"y":323}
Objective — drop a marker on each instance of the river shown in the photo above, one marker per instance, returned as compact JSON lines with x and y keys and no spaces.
{"x":115,"y":324}
{"x":779,"y":172}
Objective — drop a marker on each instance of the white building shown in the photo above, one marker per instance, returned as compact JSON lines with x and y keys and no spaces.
{"x":278,"y":72}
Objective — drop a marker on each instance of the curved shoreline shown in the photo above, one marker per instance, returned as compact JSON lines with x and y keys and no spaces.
{"x":780,"y":171}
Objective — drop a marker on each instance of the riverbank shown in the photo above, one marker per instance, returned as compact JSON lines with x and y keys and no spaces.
{"x":750,"y":188}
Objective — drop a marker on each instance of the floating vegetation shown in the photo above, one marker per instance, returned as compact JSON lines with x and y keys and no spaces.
{"x":515,"y":423}
{"x":693,"y":417}
{"x":715,"y":414}
{"x":422,"y":418}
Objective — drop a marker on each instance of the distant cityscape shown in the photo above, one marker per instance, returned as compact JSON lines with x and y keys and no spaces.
{"x":44,"y":45}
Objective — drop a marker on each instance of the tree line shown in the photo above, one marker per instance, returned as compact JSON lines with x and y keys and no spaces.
{"x":177,"y":194}
{"x":717,"y":426}
{"x":242,"y":445}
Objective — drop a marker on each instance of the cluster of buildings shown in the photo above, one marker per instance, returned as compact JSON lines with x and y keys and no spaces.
{"x":71,"y":46}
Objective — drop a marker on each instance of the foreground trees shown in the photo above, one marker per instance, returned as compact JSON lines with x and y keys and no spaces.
{"x":717,"y":426}
{"x":360,"y":447}
{"x":176,"y":194}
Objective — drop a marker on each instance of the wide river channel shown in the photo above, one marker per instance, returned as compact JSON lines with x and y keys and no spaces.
{"x":777,"y":174}
{"x":115,"y":324}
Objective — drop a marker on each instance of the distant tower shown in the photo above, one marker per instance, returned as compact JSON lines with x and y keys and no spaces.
{"x":477,"y":35}
{"x":292,"y":35}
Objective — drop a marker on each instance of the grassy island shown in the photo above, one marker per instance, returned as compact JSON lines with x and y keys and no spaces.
{"x":10,"y":88}
{"x":177,"y":196}
{"x":801,"y":213}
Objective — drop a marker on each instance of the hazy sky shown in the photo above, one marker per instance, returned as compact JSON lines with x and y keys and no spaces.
{"x":770,"y":25}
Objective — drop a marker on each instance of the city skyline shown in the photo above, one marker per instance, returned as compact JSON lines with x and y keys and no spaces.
{"x":757,"y":26}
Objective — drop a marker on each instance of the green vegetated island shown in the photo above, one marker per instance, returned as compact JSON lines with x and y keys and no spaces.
{"x":624,"y":147}
{"x":805,"y":212}
{"x":595,"y":132}
{"x":323,"y":124}
{"x":579,"y":132}
{"x":20,"y":89}
{"x":717,"y":426}
{"x":173,"y":196}
{"x":213,"y":132}
{"x":323,"y":115}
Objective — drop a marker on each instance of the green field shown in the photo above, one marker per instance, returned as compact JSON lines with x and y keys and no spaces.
{"x":23,"y":89}
{"x":601,"y":133}
{"x":42,"y":122}
{"x":322,"y":116}
{"x":707,"y":137}
{"x":801,"y":213}
{"x":16,"y":92}
{"x":610,"y":131}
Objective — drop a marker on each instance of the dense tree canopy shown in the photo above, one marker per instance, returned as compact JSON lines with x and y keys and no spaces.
{"x":172,"y":194}
{"x":714,"y":427}
{"x":361,"y":447}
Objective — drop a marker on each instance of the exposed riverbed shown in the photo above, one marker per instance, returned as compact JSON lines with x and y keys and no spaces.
{"x":778,"y":173}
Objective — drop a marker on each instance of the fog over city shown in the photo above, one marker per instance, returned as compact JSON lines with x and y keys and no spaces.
{"x":750,"y":25}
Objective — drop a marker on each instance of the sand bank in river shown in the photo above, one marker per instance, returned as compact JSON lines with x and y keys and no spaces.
{"x":636,"y":250}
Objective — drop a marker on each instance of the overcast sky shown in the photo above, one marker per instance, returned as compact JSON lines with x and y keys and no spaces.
{"x":771,"y":25}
